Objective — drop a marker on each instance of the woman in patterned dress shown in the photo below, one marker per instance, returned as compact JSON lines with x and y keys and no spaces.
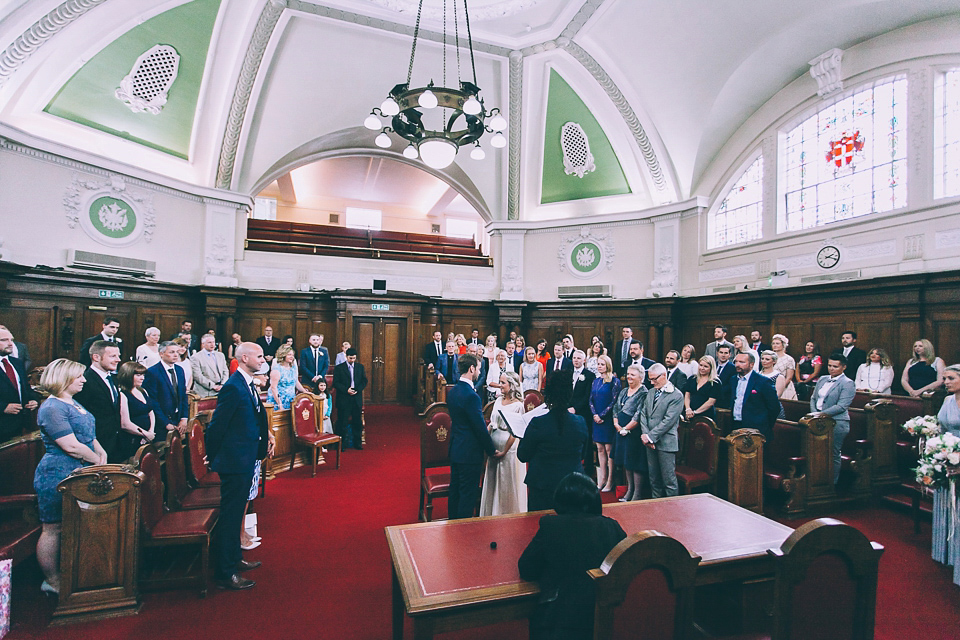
{"x":785,"y":364}
{"x":284,"y":384}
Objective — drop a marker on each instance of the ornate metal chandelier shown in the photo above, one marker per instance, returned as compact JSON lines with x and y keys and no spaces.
{"x":455,"y":117}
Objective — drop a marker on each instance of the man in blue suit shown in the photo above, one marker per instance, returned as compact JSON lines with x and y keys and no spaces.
{"x":166,"y":386}
{"x":752,"y":397}
{"x":236,"y":438}
{"x":447,"y":363}
{"x":314,"y":362}
{"x":469,"y":440}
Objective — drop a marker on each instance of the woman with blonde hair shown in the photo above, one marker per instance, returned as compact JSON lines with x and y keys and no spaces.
{"x":498,"y":365}
{"x":924,"y":371}
{"x":768,"y":364}
{"x":284,"y":383}
{"x":603,"y":396}
{"x":702,"y":391}
{"x":740,"y":345}
{"x":503,"y":487}
{"x":876,"y":374}
{"x":69,"y":434}
{"x":531,"y":371}
{"x":461,"y":342}
{"x":688,"y":360}
{"x":785,"y":364}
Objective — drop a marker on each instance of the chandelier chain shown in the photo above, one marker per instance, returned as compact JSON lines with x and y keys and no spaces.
{"x":473,"y":64}
{"x":456,"y":37}
{"x":413,"y":50}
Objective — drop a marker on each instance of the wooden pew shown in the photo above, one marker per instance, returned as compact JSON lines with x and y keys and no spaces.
{"x":19,"y":520}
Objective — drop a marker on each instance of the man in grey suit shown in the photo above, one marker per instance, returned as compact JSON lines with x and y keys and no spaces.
{"x":659,"y":420}
{"x":832,"y":396}
{"x":719,"y":338}
{"x":209,"y":366}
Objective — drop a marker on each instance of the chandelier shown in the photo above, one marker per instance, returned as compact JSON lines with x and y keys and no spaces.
{"x":437,"y":121}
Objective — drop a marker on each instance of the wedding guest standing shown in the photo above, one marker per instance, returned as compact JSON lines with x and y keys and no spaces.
{"x":148,"y":354}
{"x":808,"y":369}
{"x":924,"y":371}
{"x":703,"y":391}
{"x":946,"y":548}
{"x":137,"y":422}
{"x":606,"y":388}
{"x":69,"y":439}
{"x":630,"y":451}
{"x":785,"y":364}
{"x":503,"y":488}
{"x":284,"y":384}
{"x":876,"y":374}
{"x":659,"y":420}
{"x":688,"y":360}
{"x":768,"y":369}
{"x":531,"y":371}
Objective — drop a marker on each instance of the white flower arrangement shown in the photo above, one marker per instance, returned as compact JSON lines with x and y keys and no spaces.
{"x":926,"y":426}
{"x":939,"y":460}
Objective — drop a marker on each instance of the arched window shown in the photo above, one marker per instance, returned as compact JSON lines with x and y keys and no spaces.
{"x":946,"y":134}
{"x":848,"y":159}
{"x":739,"y":218}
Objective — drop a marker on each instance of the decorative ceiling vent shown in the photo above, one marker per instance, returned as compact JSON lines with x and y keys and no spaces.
{"x":334,"y":218}
{"x":830,"y":277}
{"x":577,"y":158}
{"x":585,"y":291}
{"x":145,"y":88}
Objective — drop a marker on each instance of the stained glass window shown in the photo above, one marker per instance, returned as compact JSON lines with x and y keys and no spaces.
{"x":739,"y":218}
{"x":946,"y":135}
{"x":847,"y":160}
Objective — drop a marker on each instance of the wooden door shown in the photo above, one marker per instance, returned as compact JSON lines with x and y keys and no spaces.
{"x":380,"y":344}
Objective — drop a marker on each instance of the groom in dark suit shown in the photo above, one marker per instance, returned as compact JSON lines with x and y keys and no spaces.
{"x":469,"y":440}
{"x":236,"y":438}
{"x":349,"y":381}
{"x":168,"y":401}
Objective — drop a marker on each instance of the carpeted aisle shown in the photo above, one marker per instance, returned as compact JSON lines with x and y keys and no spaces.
{"x":326,"y":566}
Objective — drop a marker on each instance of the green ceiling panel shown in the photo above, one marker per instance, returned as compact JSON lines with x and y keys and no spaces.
{"x":89,"y":96}
{"x":563,"y":106}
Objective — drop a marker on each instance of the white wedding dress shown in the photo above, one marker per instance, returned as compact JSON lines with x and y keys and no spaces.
{"x":503,"y":487}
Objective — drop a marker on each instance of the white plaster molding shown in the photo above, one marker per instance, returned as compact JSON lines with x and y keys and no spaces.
{"x":583,"y":16}
{"x":472,"y":286}
{"x":666,"y":249}
{"x":577,"y":157}
{"x":252,"y":59}
{"x":741,"y":271}
{"x":83,"y":191}
{"x":689,"y":208}
{"x":913,"y":247}
{"x":321,"y":279}
{"x":270,"y":273}
{"x":516,"y":119}
{"x":131,"y":95}
{"x":511,"y":266}
{"x":802,"y":261}
{"x":501,"y":9}
{"x":871,"y":250}
{"x":603,"y":241}
{"x":826,"y":70}
{"x":27,"y":43}
{"x":947,"y":239}
{"x":764,"y":267}
{"x":219,"y":249}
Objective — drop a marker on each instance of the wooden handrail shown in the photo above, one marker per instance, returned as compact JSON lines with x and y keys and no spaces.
{"x":373,"y":250}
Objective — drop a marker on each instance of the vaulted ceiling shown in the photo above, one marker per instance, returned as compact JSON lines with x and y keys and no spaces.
{"x":267,"y":86}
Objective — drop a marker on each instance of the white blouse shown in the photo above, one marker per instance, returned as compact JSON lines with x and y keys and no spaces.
{"x":874,"y":377}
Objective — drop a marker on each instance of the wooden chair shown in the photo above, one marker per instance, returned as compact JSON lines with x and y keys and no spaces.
{"x":634,"y":557}
{"x":435,"y":428}
{"x":532,"y":399}
{"x":179,"y":495}
{"x":199,"y":473}
{"x":826,"y":583}
{"x":162,"y":528}
{"x":308,"y":430}
{"x":697,"y":462}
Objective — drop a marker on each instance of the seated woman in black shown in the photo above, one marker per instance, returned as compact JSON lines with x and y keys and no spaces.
{"x":578,"y":538}
{"x":553,"y":443}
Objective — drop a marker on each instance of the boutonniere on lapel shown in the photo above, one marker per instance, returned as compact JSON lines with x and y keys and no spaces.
{"x":581,"y":378}
{"x":118,"y":339}
{"x":753,"y":391}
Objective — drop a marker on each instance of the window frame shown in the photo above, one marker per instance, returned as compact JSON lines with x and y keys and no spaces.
{"x":755,"y":154}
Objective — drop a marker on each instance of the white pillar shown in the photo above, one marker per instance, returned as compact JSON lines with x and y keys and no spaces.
{"x":511,"y":264}
{"x":220,"y":243}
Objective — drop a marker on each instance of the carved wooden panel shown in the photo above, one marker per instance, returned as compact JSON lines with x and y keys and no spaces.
{"x":817,"y":448}
{"x":745,"y":469}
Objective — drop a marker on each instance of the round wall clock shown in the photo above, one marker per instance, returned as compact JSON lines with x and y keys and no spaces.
{"x":828,"y":257}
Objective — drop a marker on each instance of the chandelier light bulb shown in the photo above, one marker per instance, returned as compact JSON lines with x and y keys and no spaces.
{"x":389,"y":107}
{"x":478,"y":153}
{"x":410,"y":152}
{"x":437,"y":153}
{"x":383,"y":141}
{"x":472,"y":106}
{"x":372,"y":122}
{"x":498,"y":123}
{"x":428,"y":100}
{"x":498,"y":141}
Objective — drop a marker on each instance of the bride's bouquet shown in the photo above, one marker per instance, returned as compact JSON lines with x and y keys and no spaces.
{"x":924,"y":426}
{"x":939,"y":461}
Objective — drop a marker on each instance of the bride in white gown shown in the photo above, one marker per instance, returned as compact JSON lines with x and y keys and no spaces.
{"x":503,"y":487}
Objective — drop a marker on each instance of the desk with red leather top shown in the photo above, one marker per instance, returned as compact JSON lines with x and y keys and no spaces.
{"x":446,"y":576}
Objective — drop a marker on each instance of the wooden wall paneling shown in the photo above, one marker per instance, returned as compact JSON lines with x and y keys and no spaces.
{"x":34,"y":325}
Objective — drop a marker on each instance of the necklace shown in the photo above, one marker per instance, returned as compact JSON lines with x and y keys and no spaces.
{"x":870,"y":384}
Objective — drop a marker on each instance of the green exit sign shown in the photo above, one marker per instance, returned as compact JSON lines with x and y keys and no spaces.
{"x":111,"y":294}
{"x":380,"y":307}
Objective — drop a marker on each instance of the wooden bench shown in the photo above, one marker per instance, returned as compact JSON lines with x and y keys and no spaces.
{"x":785,"y":467}
{"x":19,"y":520}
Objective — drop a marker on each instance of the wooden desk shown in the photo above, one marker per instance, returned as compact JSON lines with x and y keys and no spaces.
{"x":446,"y":576}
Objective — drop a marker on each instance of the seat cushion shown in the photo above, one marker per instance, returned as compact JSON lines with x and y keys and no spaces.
{"x":209,"y":479}
{"x":436,"y":483}
{"x":179,"y":524}
{"x":201,"y":498}
{"x":692,"y":477}
{"x":772,"y":479}
{"x":318,"y":439}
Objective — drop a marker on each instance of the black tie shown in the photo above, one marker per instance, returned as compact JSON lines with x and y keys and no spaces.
{"x":173,"y":381}
{"x":439,"y":350}
{"x":256,"y":395}
{"x":316,"y":361}
{"x":113,"y":389}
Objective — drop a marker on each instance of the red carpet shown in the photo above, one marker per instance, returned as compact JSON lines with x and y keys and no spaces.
{"x":326,"y":566}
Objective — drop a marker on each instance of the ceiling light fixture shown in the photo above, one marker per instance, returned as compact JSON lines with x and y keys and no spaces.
{"x":461,"y":119}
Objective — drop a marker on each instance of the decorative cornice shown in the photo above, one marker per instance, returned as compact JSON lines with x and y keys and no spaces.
{"x":583,"y":15}
{"x":500,"y":9}
{"x":593,"y":225}
{"x":39,"y":32}
{"x":241,"y":95}
{"x":44,"y":156}
{"x":826,"y":70}
{"x":516,"y":113}
{"x":626,"y":111}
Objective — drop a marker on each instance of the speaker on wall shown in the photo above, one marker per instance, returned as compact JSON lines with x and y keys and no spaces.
{"x":380,"y":286}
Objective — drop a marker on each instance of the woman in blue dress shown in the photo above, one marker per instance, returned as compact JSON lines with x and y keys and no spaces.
{"x":69,"y":437}
{"x":136,"y":417}
{"x":946,"y":549}
{"x":603,"y":395}
{"x":284,"y":384}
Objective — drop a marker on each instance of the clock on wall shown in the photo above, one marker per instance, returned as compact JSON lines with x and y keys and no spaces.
{"x":828,"y":257}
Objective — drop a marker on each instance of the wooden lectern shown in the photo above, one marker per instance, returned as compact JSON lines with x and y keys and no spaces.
{"x":99,"y":544}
